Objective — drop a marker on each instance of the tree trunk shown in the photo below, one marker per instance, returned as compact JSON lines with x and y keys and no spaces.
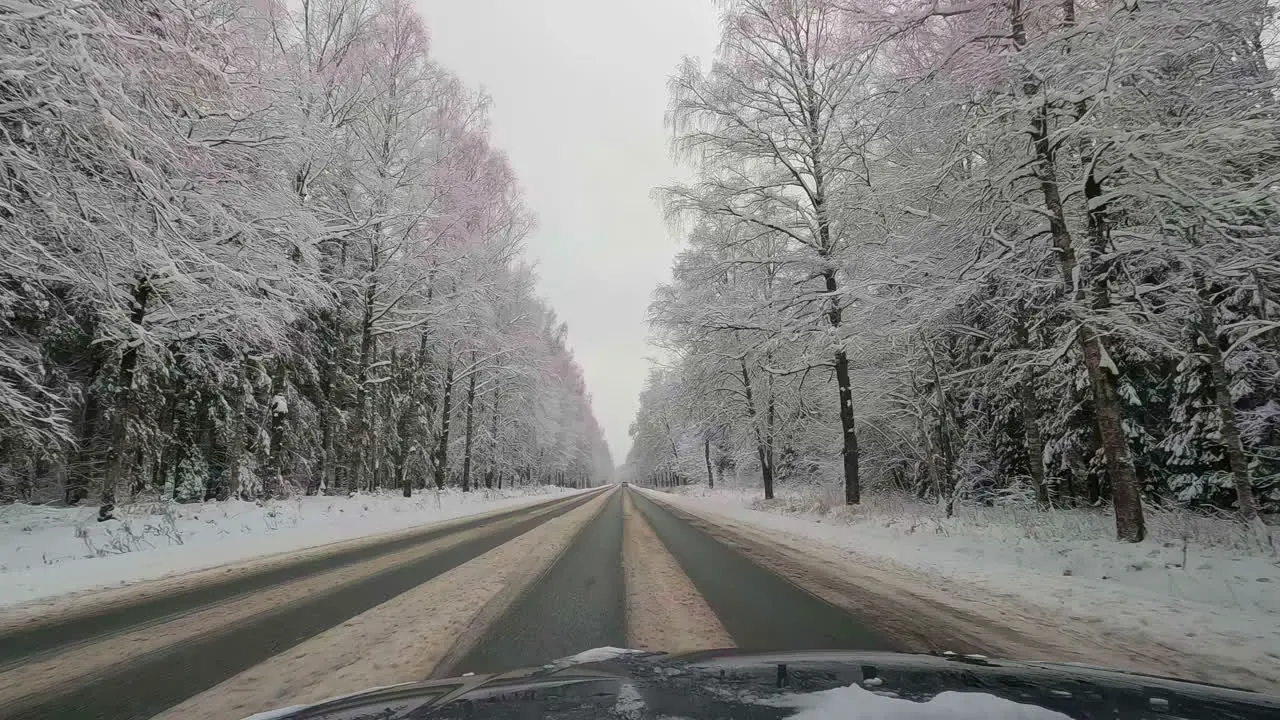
{"x":375,"y":451}
{"x":671,"y":440}
{"x":328,"y":404}
{"x":766,"y":467}
{"x":8,"y":495}
{"x":706,"y":456}
{"x":493,"y":443}
{"x":1228,"y":428}
{"x":360,"y":436}
{"x":1103,"y":375}
{"x":1130,"y":525}
{"x":813,"y":104}
{"x":1092,"y":486}
{"x":404,"y":430}
{"x":946,"y":481}
{"x":848,"y":428}
{"x":442,"y":444}
{"x":278,"y":407}
{"x":1107,"y":405}
{"x":1032,"y":440}
{"x":427,"y":443}
{"x":117,"y":451}
{"x":330,"y":454}
{"x":77,"y":477}
{"x":168,"y":454}
{"x":182,"y":423}
{"x":470,"y":437}
{"x":770,"y":423}
{"x":235,"y":442}
{"x":849,"y":448}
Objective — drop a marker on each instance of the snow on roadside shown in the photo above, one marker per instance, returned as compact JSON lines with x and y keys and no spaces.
{"x":1224,"y":603}
{"x":48,"y":551}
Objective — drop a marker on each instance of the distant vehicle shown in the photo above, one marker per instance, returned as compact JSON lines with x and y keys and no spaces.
{"x":610,"y":683}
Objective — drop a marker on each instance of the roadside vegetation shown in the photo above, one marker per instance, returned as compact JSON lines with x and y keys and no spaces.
{"x":977,"y":251}
{"x":252,"y":250}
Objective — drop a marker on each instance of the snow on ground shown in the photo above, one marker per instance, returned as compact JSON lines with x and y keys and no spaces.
{"x":47,"y":551}
{"x":1196,"y":586}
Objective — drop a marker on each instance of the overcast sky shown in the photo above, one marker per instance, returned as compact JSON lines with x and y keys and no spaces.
{"x":579,"y":94}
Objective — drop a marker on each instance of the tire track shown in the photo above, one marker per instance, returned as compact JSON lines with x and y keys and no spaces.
{"x":578,"y":604}
{"x":665,"y":612}
{"x":396,"y":641}
{"x":761,"y":609}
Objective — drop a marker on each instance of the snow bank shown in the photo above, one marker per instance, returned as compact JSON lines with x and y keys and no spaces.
{"x":1009,"y":543}
{"x":47,"y":551}
{"x":1177,"y":588}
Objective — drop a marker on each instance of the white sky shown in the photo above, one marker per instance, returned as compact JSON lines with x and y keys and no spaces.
{"x":579,"y":94}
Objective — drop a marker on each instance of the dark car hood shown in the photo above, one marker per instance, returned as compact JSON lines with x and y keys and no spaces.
{"x":607,"y":683}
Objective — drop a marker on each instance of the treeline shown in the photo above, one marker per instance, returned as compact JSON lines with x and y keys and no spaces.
{"x":980,"y":248}
{"x":256,"y":248}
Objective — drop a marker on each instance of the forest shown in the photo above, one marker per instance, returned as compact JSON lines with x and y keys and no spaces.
{"x":252,"y":249}
{"x":977,"y":251}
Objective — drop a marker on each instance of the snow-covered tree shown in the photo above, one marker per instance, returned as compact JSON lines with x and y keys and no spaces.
{"x":1051,"y":248}
{"x":248,"y":248}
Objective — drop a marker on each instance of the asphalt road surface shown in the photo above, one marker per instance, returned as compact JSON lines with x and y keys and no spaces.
{"x":577,"y":605}
{"x":506,"y":590}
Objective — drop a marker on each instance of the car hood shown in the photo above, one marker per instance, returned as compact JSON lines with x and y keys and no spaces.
{"x":631,"y":685}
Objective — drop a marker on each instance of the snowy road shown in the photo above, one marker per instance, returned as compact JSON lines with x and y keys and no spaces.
{"x":137,"y":659}
{"x":582,"y":601}
{"x":509,"y":589}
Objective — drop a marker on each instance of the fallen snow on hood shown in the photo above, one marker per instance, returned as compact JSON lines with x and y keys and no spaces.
{"x":855,"y":703}
{"x":599,"y":654}
{"x":278,"y":714}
